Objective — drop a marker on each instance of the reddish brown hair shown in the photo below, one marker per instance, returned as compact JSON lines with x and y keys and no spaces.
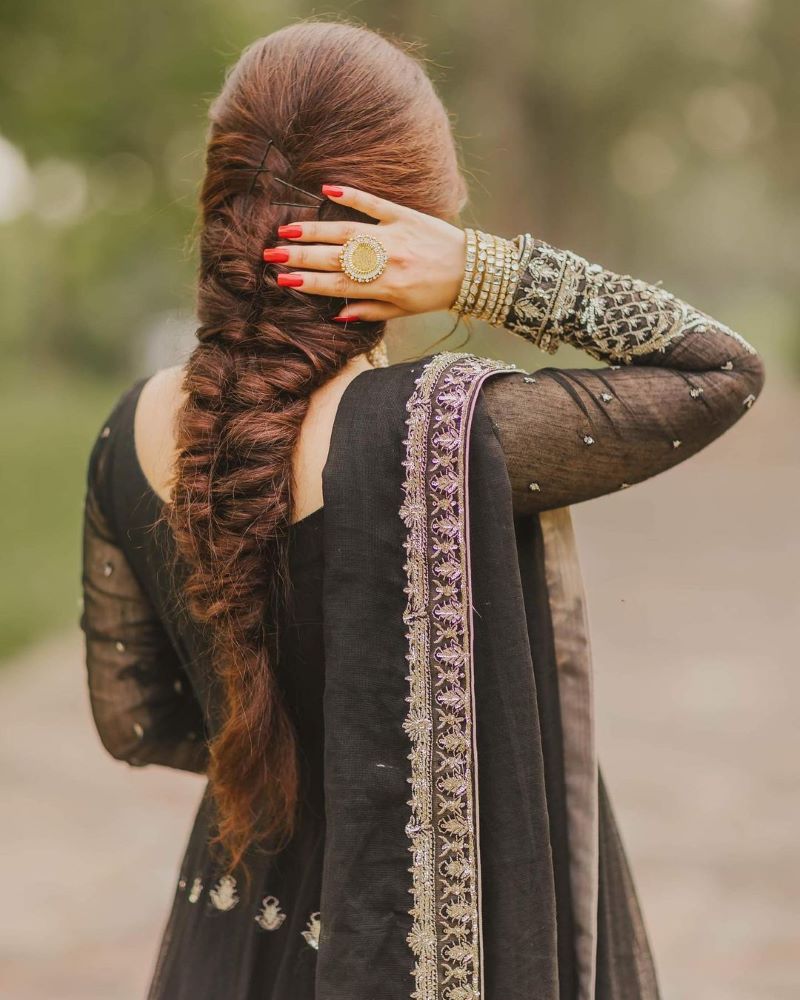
{"x":342,"y":104}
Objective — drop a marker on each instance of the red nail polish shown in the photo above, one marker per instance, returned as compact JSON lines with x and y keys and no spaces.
{"x":276,"y":255}
{"x":290,"y":232}
{"x":332,"y":191}
{"x":345,"y":319}
{"x":290,"y":280}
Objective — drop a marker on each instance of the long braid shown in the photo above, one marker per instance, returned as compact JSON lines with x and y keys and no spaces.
{"x":264,"y":350}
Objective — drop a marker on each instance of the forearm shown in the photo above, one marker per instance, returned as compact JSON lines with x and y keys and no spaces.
{"x":141,"y":701}
{"x":551,"y":296}
{"x":141,"y":698}
{"x":559,"y":297}
{"x":676,"y":380}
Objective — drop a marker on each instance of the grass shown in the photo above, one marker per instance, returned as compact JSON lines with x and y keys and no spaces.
{"x":48,"y":422}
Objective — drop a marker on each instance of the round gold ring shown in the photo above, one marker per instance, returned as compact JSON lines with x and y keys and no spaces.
{"x":363,"y":258}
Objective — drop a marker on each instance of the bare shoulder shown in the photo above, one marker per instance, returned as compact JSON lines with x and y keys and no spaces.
{"x":155,"y":420}
{"x":154,"y":427}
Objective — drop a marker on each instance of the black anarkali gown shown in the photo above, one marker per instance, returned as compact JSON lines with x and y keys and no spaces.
{"x":562,"y":437}
{"x":257,"y":942}
{"x":230,"y":939}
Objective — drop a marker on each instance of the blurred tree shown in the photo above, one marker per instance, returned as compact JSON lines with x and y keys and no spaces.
{"x":662,"y":139}
{"x":655,"y":136}
{"x":107,"y":102}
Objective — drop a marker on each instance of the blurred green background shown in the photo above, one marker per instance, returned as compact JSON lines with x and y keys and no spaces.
{"x":661,"y":139}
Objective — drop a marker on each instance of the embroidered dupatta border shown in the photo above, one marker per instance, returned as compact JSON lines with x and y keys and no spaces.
{"x":445,"y":936}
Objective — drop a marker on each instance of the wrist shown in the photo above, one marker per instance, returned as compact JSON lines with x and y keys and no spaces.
{"x":489,"y":278}
{"x":453,"y":276}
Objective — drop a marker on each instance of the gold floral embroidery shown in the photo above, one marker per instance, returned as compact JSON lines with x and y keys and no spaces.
{"x":561,"y":297}
{"x":445,"y":936}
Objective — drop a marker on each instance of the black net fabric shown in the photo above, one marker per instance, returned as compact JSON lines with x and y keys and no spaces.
{"x":155,"y":701}
{"x":141,"y":696}
{"x":570,"y":435}
{"x":673,"y":381}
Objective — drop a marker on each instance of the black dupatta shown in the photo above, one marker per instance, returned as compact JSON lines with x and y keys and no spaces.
{"x":442,"y":787}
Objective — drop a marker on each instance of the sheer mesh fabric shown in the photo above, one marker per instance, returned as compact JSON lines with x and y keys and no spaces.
{"x":141,"y":697}
{"x":568,"y":436}
{"x":573,"y":434}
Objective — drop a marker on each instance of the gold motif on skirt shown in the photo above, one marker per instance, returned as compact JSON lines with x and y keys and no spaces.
{"x":270,"y":916}
{"x":224,"y":895}
{"x":311,"y":933}
{"x":196,"y":890}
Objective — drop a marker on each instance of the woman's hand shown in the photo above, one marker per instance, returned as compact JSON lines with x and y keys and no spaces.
{"x":423,"y":272}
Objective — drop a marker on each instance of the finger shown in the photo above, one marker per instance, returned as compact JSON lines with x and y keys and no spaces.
{"x":335,"y":284}
{"x":362,"y":201}
{"x":369,"y":309}
{"x":312,"y":258}
{"x":323,"y":231}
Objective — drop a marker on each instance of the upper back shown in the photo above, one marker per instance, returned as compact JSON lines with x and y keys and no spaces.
{"x":155,"y":425}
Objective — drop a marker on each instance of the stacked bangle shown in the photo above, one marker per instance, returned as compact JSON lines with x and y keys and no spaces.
{"x":491,"y":273}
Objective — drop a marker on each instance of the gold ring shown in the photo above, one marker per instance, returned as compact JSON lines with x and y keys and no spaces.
{"x":363,"y":258}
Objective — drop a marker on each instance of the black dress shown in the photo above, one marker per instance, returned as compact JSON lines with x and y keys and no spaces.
{"x":228,"y":937}
{"x":562,"y":437}
{"x":225,"y":938}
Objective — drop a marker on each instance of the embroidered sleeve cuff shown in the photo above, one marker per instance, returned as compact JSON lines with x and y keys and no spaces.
{"x":561,"y":297}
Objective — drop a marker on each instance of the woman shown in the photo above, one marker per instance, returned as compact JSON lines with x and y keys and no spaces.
{"x":349,"y":593}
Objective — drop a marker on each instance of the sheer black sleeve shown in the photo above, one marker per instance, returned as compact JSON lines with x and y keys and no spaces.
{"x":141,"y":698}
{"x":676,"y":379}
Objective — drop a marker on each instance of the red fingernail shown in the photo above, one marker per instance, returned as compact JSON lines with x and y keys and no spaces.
{"x":345,"y":319}
{"x":332,"y":191}
{"x":276,"y":256}
{"x":290,"y":280}
{"x":290,"y":232}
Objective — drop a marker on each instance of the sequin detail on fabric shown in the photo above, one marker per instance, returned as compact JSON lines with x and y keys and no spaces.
{"x":445,"y":936}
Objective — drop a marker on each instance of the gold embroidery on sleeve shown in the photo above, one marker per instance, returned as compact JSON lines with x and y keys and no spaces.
{"x":561,"y":297}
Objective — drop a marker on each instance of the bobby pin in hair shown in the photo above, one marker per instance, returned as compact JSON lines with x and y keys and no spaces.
{"x":294,"y":187}
{"x":262,"y":168}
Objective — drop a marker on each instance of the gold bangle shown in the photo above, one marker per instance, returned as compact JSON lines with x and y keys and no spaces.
{"x":485,"y":266}
{"x":498,"y":278}
{"x":470,"y":251}
{"x":476,"y":282}
{"x":493,"y":278}
{"x":490,"y":276}
{"x":499,"y":283}
{"x":508,"y":266}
